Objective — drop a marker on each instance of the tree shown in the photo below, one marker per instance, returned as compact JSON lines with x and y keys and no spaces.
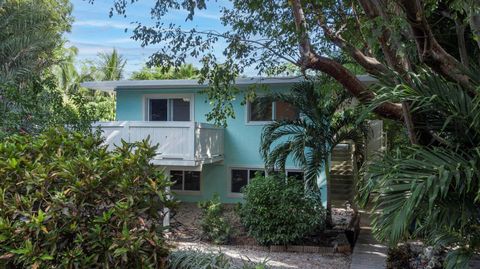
{"x":85,"y":105}
{"x":111,"y":65}
{"x":431,"y":193}
{"x":380,"y":36}
{"x":186,"y":71}
{"x":310,"y":139}
{"x":30,"y":38}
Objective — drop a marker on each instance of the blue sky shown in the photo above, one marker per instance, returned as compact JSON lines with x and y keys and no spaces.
{"x":94,"y":31}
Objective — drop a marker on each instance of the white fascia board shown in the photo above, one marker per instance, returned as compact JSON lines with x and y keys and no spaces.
{"x":192,"y":83}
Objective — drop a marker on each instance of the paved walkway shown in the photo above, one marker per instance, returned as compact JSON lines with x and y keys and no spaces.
{"x":368,"y":253}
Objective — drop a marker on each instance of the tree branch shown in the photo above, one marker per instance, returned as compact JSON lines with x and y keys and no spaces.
{"x":429,"y":50}
{"x":311,"y":60}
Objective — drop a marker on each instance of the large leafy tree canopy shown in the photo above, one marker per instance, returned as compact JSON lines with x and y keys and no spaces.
{"x":380,"y":36}
{"x":30,"y":43}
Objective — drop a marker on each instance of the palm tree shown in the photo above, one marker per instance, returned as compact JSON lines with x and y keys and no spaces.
{"x":186,"y":71}
{"x":325,"y":121}
{"x":111,"y":65}
{"x":432,"y":192}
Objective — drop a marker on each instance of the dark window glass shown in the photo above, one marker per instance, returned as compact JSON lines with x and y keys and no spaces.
{"x":295,"y":174}
{"x":260,"y":111}
{"x":158,"y":109}
{"x":239,"y":179}
{"x":285,"y":111}
{"x":177,"y":177}
{"x":181,"y":110}
{"x":192,"y":181}
{"x":253,"y":173}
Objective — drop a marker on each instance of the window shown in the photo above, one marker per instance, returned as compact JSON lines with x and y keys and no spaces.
{"x":261,"y":112}
{"x":169,"y":109}
{"x":185,"y":180}
{"x":298,"y":175}
{"x":241,"y":178}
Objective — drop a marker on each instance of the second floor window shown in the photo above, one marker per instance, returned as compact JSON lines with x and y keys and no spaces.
{"x":261,"y":112}
{"x":169,"y":109}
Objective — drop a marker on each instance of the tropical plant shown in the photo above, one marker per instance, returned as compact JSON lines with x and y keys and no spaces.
{"x":269,"y":205}
{"x":68,"y":202}
{"x":325,"y":121}
{"x":30,"y":37}
{"x":186,"y":71}
{"x":432,"y":192}
{"x":322,"y":36}
{"x":193,"y":259}
{"x":111,"y":65}
{"x":213,"y":222}
{"x":87,"y":105}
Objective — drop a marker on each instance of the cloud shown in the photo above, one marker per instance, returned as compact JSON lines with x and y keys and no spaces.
{"x":103,"y":24}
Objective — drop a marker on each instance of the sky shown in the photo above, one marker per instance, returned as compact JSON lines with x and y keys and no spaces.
{"x":93,"y":31}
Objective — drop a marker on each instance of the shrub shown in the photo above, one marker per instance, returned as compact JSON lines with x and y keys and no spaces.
{"x":213,"y":223}
{"x":67,"y":202}
{"x":278,"y":211}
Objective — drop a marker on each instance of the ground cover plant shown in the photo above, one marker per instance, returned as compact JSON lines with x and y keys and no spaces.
{"x":194,"y":259}
{"x":67,"y":202}
{"x":214,"y":224}
{"x":279,"y":211}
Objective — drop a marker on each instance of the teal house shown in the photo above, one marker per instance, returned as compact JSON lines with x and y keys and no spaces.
{"x":200,"y":157}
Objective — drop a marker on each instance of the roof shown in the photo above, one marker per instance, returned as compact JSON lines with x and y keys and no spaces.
{"x":193,"y":83}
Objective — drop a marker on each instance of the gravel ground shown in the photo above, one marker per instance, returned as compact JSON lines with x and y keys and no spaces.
{"x":275,"y":260}
{"x":187,"y":235}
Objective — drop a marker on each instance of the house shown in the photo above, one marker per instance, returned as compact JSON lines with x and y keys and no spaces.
{"x":201,"y":158}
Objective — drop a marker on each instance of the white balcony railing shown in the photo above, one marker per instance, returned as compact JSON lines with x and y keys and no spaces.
{"x":180,"y":143}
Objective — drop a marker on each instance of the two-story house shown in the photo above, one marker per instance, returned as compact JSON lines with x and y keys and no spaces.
{"x":201,"y":158}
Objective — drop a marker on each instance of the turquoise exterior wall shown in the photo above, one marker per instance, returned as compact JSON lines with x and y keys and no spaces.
{"x":241,"y":141}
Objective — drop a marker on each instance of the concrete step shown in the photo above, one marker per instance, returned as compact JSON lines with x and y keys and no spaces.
{"x":341,"y":173}
{"x":341,"y":177}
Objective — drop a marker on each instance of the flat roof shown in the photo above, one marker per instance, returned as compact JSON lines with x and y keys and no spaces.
{"x":193,"y":83}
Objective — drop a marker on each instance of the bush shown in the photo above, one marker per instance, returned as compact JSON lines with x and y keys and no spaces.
{"x":66,"y":202}
{"x":213,"y":223}
{"x":278,"y":211}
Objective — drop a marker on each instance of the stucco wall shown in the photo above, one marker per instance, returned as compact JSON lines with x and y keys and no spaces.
{"x":241,"y":140}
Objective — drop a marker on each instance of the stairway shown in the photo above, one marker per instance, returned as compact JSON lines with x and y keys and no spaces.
{"x":341,"y":175}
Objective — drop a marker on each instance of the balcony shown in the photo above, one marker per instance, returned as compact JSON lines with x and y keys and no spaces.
{"x":180,"y":143}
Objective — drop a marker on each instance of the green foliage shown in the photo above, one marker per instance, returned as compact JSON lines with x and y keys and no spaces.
{"x":30,"y":39}
{"x":186,"y":71}
{"x":213,"y":223}
{"x":325,"y":122}
{"x":30,"y":35}
{"x":67,"y":202}
{"x":431,"y":193}
{"x":193,"y":259}
{"x":278,"y":211}
{"x":111,"y":65}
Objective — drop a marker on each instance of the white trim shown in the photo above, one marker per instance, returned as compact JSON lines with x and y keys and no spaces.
{"x":147,"y":97}
{"x":256,"y":123}
{"x":183,"y":191}
{"x":253,"y":123}
{"x":186,"y":83}
{"x":231,"y":194}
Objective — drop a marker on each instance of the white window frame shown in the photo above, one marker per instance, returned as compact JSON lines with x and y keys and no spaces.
{"x":146,"y":104}
{"x":183,"y":191}
{"x":248,"y":114}
{"x":248,"y":106}
{"x":248,"y":168}
{"x":294,"y":170}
